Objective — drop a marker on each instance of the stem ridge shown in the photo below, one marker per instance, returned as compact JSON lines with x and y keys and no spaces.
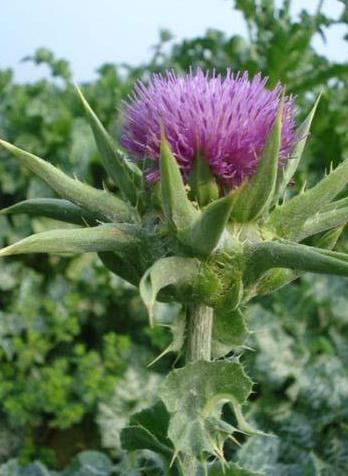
{"x":198,"y":347}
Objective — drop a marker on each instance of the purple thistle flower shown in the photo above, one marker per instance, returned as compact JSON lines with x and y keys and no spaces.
{"x":227,"y":120}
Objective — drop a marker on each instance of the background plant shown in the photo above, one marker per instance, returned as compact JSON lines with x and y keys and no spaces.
{"x":26,"y":115}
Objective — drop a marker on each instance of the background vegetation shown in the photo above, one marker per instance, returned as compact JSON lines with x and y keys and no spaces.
{"x":74,"y":340}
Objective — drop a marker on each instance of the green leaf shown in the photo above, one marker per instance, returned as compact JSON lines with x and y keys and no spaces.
{"x":194,"y":395}
{"x":279,"y":277}
{"x":105,"y":205}
{"x":116,"y":164}
{"x":178,"y":209}
{"x":202,"y":182}
{"x":231,"y":469}
{"x":229,"y":332}
{"x":288,"y":219}
{"x":172,"y":271}
{"x":79,"y":240}
{"x":86,"y":463}
{"x":254,"y":197}
{"x":120,"y":266}
{"x":266,"y":454}
{"x":177,"y":329}
{"x":148,"y":430}
{"x":324,"y":221}
{"x":284,"y":254}
{"x":287,"y":173}
{"x":329,"y":239}
{"x":274,"y":280}
{"x":14,"y":468}
{"x":90,"y":463}
{"x":261,"y":453}
{"x":55,"y":208}
{"x":342,"y":203}
{"x":204,"y":234}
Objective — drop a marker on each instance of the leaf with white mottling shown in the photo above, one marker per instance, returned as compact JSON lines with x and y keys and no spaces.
{"x":194,"y":396}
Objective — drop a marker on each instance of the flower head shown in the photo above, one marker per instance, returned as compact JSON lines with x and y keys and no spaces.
{"x":226,"y":120}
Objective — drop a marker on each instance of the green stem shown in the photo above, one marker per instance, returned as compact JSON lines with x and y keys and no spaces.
{"x":199,"y":330}
{"x":198,"y":347}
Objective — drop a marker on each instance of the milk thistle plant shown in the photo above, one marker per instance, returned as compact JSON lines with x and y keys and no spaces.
{"x":203,"y":218}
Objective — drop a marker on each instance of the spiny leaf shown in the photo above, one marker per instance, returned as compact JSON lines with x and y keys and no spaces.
{"x":148,"y":430}
{"x":255,"y":195}
{"x":324,"y":221}
{"x":279,"y":277}
{"x":177,"y":329}
{"x":288,"y":219}
{"x":178,"y":209}
{"x":193,"y":397}
{"x":55,"y":208}
{"x":204,"y":234}
{"x":120,"y":170}
{"x":284,"y":254}
{"x":79,"y":240}
{"x":342,"y":203}
{"x":105,"y":205}
{"x":178,"y":271}
{"x":202,"y":182}
{"x":286,"y":173}
{"x":229,"y":332}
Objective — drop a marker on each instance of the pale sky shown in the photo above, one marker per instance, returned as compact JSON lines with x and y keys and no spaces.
{"x":91,"y":32}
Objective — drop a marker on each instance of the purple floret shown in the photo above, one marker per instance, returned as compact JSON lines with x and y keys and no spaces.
{"x":225,"y":119}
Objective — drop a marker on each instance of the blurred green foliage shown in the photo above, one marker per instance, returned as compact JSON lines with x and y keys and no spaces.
{"x":69,"y":330}
{"x":73,"y":337}
{"x":301,"y":349}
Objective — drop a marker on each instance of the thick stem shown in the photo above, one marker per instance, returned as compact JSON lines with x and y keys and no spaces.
{"x":198,"y":347}
{"x":199,"y":330}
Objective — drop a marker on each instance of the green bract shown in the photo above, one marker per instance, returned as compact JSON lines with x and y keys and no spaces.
{"x":193,"y":247}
